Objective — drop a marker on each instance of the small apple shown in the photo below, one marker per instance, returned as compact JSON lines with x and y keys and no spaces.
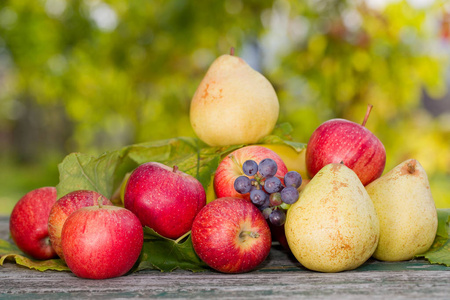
{"x":64,"y":207}
{"x":28,"y":223}
{"x":164,"y":199}
{"x":101,"y":242}
{"x":231,"y":235}
{"x":340,"y":140}
{"x":230,"y":168}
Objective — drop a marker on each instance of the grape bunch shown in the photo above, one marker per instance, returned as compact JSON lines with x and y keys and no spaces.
{"x":267,"y":191}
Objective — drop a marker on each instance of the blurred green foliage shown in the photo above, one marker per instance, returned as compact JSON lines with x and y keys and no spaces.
{"x":91,"y":75}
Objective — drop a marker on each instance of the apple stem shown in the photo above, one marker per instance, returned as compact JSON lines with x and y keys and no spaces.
{"x":100,"y":201}
{"x":232,"y":51}
{"x":175,"y":168}
{"x":235,"y":161}
{"x":251,"y":234}
{"x":369,"y":108}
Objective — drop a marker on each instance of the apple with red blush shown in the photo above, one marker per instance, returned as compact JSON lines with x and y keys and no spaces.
{"x":164,"y":198}
{"x":64,"y":207}
{"x":101,"y":241}
{"x":231,"y":235}
{"x":28,"y":223}
{"x":230,"y":168}
{"x":343,"y":141}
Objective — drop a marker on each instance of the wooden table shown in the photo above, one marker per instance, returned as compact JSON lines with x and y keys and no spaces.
{"x":280,"y":276}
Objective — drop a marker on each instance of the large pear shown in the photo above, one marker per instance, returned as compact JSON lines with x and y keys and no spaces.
{"x":333,"y":226}
{"x":406,"y":210}
{"x":233,"y":104}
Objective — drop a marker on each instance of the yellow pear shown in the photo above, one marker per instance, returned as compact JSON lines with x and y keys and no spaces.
{"x":233,"y":104}
{"x":333,"y":226}
{"x":406,"y":210}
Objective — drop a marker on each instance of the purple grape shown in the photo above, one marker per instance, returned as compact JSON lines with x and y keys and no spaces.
{"x":258,"y":197}
{"x":289,"y":195}
{"x":242,"y":185}
{"x":293,"y":178}
{"x":266,"y":203}
{"x":272,"y":185}
{"x":250,"y":167}
{"x":267,"y":167}
{"x":277,"y":217}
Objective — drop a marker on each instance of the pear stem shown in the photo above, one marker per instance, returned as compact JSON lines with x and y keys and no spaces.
{"x":411,"y":168}
{"x":369,"y":108}
{"x":232,"y":51}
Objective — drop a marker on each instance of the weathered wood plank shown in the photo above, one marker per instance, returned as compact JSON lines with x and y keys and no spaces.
{"x":279,"y":277}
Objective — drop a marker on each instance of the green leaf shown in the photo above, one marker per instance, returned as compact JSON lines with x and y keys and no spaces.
{"x":283,"y":130}
{"x":6,"y":247}
{"x":105,"y":173}
{"x":443,"y":223}
{"x":167,"y":255}
{"x":274,"y":139}
{"x":84,"y":172}
{"x":439,"y":252}
{"x":9,"y":252}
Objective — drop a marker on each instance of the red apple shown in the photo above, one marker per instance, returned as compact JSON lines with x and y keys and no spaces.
{"x":28,"y":223}
{"x":340,"y":140}
{"x":101,"y":242}
{"x":231,"y":235}
{"x":64,"y":207}
{"x":164,"y":199}
{"x":230,"y":168}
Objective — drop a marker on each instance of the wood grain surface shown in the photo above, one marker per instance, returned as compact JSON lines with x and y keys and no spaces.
{"x":279,"y":277}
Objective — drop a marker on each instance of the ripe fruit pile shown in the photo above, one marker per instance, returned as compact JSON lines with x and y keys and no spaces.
{"x":335,"y":220}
